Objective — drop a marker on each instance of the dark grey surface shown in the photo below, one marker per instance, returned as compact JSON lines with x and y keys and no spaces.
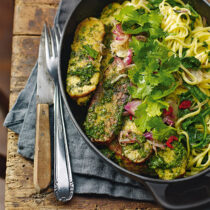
{"x":91,"y":174}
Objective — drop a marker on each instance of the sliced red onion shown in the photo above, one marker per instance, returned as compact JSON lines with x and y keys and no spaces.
{"x":124,"y":138}
{"x":167,"y":120}
{"x":127,"y":141}
{"x":120,"y":35}
{"x":148,"y":135}
{"x":131,"y":107}
{"x":119,"y":38}
{"x":119,"y":63}
{"x":156,"y":144}
{"x":119,"y":28}
{"x":128,"y":59}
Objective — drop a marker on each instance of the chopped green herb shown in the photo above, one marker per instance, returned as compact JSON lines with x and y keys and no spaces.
{"x":85,"y":74}
{"x":191,"y":63}
{"x":90,"y":51}
{"x":111,"y":60}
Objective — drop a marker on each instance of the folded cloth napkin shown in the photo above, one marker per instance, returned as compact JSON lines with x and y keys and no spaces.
{"x":91,"y":174}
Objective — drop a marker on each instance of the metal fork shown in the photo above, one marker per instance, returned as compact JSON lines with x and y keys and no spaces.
{"x":63,"y":180}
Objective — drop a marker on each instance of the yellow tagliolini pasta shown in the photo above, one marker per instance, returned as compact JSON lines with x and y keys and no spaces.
{"x":177,"y":22}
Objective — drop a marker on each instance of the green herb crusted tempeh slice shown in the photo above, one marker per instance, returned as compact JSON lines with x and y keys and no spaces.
{"x":104,"y":118}
{"x":134,"y":145}
{"x":84,"y":64}
{"x":170,"y":163}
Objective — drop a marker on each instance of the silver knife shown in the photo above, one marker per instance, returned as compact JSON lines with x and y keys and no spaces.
{"x":45,"y":97}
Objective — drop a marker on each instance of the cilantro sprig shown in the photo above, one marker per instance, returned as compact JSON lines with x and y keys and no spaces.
{"x":137,"y":21}
{"x":152,"y":74}
{"x":153,"y":80}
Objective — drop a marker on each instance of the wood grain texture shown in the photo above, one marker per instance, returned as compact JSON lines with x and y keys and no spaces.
{"x":42,"y":154}
{"x":20,"y":192}
{"x":30,"y":18}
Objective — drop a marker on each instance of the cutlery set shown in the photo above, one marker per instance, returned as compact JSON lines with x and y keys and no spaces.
{"x":48,"y":93}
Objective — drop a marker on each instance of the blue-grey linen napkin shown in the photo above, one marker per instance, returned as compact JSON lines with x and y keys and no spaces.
{"x":91,"y":174}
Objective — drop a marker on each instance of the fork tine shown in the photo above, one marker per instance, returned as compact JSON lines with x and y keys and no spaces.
{"x":59,"y":30}
{"x":57,"y":37}
{"x":47,"y":41}
{"x":54,"y":51}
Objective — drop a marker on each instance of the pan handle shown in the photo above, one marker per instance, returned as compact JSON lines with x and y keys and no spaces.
{"x":182,"y":195}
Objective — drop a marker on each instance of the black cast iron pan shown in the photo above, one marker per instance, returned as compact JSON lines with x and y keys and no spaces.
{"x":183,"y":193}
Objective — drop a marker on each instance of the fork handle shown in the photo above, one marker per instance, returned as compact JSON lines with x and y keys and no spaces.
{"x":63,"y":180}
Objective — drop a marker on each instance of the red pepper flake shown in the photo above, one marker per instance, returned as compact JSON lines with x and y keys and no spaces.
{"x":185,"y":104}
{"x":168,"y":121}
{"x":131,"y":117}
{"x":170,"y":140}
{"x":168,"y":112}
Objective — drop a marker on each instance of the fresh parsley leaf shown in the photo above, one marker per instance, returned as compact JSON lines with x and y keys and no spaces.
{"x":140,"y":92}
{"x":90,"y":51}
{"x":142,"y":118}
{"x":160,"y":131}
{"x":166,"y":86}
{"x":134,"y":22}
{"x":152,"y":74}
{"x":171,"y":65}
{"x":128,"y":14}
{"x":154,"y":108}
{"x":191,"y":63}
{"x":147,"y":115}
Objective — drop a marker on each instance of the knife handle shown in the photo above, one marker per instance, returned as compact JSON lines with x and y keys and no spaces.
{"x":42,"y":156}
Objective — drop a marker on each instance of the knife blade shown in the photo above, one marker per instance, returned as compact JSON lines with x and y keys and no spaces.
{"x":45,"y":94}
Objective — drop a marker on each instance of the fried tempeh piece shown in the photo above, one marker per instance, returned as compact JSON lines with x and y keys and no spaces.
{"x":109,"y":12}
{"x":104,"y":118}
{"x":107,"y":17}
{"x":125,"y":162}
{"x":173,"y":162}
{"x":84,"y":64}
{"x":134,"y":145}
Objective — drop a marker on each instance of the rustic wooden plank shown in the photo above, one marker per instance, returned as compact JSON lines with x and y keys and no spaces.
{"x":20,"y":193}
{"x":24,"y":56}
{"x":30,"y":18}
{"x":48,"y":2}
